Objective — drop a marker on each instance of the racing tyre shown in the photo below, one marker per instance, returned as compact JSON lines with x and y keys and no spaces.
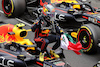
{"x":12,"y":8}
{"x":88,"y":35}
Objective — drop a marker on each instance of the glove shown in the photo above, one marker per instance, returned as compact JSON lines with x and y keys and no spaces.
{"x":61,"y":31}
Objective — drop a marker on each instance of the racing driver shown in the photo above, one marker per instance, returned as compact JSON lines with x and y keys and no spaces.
{"x":47,"y":31}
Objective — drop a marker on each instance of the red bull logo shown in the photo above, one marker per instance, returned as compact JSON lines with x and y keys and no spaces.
{"x":4,"y":36}
{"x":14,"y":33}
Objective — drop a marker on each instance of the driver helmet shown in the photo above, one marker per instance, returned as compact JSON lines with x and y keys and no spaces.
{"x":48,"y":12}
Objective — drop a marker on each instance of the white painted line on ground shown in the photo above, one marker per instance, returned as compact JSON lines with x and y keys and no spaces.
{"x":23,"y":21}
{"x":19,"y":19}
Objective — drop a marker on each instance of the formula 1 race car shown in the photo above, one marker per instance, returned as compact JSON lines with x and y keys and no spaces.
{"x":74,"y":10}
{"x":15,"y":51}
{"x":85,"y":19}
{"x":82,"y":18}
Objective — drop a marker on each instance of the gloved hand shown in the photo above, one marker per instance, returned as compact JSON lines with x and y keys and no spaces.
{"x":61,"y":31}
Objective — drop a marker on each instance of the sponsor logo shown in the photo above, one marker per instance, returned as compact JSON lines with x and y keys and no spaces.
{"x":6,"y":63}
{"x":59,"y":16}
{"x":92,"y":19}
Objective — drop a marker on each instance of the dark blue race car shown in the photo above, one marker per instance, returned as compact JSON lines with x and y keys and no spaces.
{"x":82,"y":18}
{"x":76,"y":15}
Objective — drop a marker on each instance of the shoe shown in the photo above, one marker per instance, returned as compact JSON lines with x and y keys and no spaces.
{"x":41,"y":57}
{"x":54,"y":54}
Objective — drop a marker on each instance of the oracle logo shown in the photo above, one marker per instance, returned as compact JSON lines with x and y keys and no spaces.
{"x":6,"y":63}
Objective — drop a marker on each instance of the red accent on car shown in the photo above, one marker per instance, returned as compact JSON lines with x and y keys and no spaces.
{"x":42,"y":4}
{"x":85,"y":17}
{"x":8,"y":53}
{"x":39,"y":63}
{"x":98,"y":21}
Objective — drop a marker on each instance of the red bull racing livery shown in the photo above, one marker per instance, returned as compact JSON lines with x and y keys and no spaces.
{"x":16,"y":51}
{"x":76,"y":15}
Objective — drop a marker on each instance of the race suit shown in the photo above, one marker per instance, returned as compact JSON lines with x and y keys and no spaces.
{"x":45,"y":34}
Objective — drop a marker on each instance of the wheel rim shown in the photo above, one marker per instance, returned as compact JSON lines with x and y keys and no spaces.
{"x":7,"y":6}
{"x":85,"y":38}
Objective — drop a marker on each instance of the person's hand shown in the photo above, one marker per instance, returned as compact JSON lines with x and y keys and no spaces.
{"x":61,"y":31}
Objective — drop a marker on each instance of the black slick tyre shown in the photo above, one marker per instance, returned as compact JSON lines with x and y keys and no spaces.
{"x":88,"y":35}
{"x":13,"y":8}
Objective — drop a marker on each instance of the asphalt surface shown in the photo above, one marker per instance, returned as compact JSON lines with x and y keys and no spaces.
{"x":74,"y":60}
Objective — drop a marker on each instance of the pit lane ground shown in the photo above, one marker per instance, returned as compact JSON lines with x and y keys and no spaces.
{"x":74,"y":60}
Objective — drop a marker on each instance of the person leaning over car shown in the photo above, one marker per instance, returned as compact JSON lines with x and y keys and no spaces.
{"x":46,"y":31}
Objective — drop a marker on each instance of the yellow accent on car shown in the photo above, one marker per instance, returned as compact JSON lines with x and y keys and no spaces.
{"x":20,"y":39}
{"x":20,"y":25}
{"x":12,"y":10}
{"x":87,"y":29}
{"x":74,"y":34}
{"x":67,"y":1}
{"x":27,"y":42}
{"x":30,"y":48}
{"x":9,"y":14}
{"x":21,"y":55}
{"x":12,"y":6}
{"x":73,"y":1}
{"x":89,"y":47}
{"x":76,"y":7}
{"x":29,"y":30}
{"x":18,"y":31}
{"x":70,"y":9}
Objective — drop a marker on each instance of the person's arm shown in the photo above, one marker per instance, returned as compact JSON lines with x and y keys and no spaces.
{"x":58,"y":29}
{"x":35,"y":26}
